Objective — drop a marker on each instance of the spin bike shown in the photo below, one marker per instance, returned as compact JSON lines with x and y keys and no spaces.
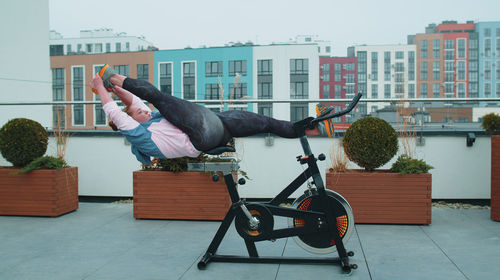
{"x":320,"y":220}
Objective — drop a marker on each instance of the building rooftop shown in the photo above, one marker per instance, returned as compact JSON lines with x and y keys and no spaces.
{"x":104,"y":241}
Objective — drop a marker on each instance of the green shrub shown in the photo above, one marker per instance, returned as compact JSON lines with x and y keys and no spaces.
{"x":45,"y":162}
{"x":22,"y":140}
{"x":370,"y":142}
{"x":406,"y":165}
{"x":491,"y":124}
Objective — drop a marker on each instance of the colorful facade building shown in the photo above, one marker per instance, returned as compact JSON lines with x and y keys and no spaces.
{"x":338,"y":79}
{"x":489,"y":59}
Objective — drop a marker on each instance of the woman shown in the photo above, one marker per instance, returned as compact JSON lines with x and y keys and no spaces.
{"x":181,"y":128}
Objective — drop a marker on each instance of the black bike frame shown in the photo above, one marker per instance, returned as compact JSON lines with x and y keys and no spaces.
{"x":329,"y":213}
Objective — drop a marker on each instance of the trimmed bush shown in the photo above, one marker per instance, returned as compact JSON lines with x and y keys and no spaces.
{"x":406,"y":165}
{"x":22,"y":140}
{"x":45,"y":162}
{"x":370,"y":142}
{"x":491,"y":124}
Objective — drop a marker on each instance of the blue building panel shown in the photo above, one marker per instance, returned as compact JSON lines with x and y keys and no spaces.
{"x":200,"y":57}
{"x":489,"y":58}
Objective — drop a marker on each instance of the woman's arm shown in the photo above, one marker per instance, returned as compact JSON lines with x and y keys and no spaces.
{"x":126,"y":96}
{"x":97,"y":84}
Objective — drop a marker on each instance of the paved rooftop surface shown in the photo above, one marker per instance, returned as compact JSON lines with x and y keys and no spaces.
{"x":104,"y":241}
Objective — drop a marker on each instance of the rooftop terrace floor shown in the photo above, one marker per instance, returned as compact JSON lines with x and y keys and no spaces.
{"x":104,"y":241}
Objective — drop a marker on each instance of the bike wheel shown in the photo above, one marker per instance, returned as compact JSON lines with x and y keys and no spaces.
{"x":322,"y":242}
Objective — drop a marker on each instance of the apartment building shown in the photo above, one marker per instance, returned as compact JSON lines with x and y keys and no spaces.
{"x":243,"y":72}
{"x":96,"y":41}
{"x":489,"y":59}
{"x":71,"y":75}
{"x":338,"y":79}
{"x":383,"y":72}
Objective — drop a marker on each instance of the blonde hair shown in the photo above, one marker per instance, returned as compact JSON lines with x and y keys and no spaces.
{"x":113,"y":125}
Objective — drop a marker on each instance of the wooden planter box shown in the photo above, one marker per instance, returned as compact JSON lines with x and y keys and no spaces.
{"x":495,"y":178}
{"x":383,"y":197}
{"x":183,"y":196}
{"x":44,"y":192}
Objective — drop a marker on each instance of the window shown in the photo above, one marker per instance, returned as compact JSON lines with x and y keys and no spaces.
{"x":423,"y":71}
{"x":448,"y":66}
{"x":108,"y":47}
{"x":265,"y":109}
{"x":118,"y":47}
{"x":374,"y":91}
{"x":127,"y":46}
{"x":299,"y":66}
{"x":350,"y":78}
{"x":461,"y":48}
{"x":435,"y":90}
{"x":487,"y":90}
{"x":436,"y":48}
{"x":143,"y":72}
{"x":188,"y":80}
{"x":338,"y":91}
{"x":448,"y":77}
{"x":487,"y":32}
{"x":122,"y":70}
{"x":448,"y":44}
{"x":448,"y":90}
{"x":338,"y":69}
{"x":212,"y":92}
{"x":400,"y":67}
{"x":326,"y":72}
{"x":498,"y":70}
{"x":387,"y":66}
{"x":58,"y":117}
{"x":78,"y":94}
{"x":88,"y":48}
{"x":411,"y":66}
{"x":487,"y":70}
{"x":449,"y":55}
{"x":238,"y":91}
{"x":58,"y":84}
{"x":213,"y":68}
{"x":497,"y":47}
{"x":79,"y":48}
{"x":349,"y":66}
{"x":326,"y":91}
{"x":400,"y":55}
{"x":387,"y":91}
{"x":264,"y":67}
{"x":498,"y":32}
{"x":298,"y":111}
{"x":166,"y":78}
{"x":374,"y":75}
{"x":423,"y":49}
{"x":56,"y":50}
{"x":473,"y":77}
{"x":399,"y":78}
{"x":299,"y":90}
{"x":411,"y":90}
{"x":487,"y":47}
{"x":265,"y":90}
{"x":461,"y":74}
{"x":461,"y":90}
{"x":497,"y":89}
{"x":99,"y":115}
{"x":98,"y":48}
{"x":68,"y":48}
{"x":237,"y":67}
{"x":399,"y":89}
{"x":423,"y":90}
{"x":350,"y":89}
{"x":436,"y":69}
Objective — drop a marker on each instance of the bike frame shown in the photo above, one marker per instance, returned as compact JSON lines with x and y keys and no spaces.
{"x":329,"y":213}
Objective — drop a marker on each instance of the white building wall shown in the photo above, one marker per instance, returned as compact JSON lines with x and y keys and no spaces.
{"x":281,"y":55}
{"x":24,"y":60}
{"x":380,"y":82}
{"x":102,"y":37}
{"x":105,"y":165}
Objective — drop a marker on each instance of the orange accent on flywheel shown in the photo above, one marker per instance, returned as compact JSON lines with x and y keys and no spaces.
{"x":254,"y":232}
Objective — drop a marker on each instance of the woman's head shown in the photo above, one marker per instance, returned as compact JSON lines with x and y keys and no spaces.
{"x":136,"y":113}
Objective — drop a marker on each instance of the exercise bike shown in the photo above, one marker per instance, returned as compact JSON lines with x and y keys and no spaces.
{"x":320,"y":220}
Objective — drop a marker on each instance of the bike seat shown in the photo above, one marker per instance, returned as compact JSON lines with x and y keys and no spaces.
{"x":219,"y":150}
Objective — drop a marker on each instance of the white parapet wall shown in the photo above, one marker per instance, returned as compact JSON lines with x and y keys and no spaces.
{"x":105,"y":165}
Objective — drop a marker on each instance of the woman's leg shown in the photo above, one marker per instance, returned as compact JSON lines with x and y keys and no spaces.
{"x":244,"y":123}
{"x":204,"y":128}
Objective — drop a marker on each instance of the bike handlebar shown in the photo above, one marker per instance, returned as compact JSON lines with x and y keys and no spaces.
{"x":343,"y":112}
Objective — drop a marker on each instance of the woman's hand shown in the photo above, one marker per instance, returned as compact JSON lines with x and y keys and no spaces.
{"x":96,"y":84}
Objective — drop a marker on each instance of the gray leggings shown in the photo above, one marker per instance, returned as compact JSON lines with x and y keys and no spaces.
{"x":207,"y":129}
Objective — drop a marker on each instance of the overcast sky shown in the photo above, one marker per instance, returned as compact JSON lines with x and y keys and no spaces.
{"x":174,"y":24}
